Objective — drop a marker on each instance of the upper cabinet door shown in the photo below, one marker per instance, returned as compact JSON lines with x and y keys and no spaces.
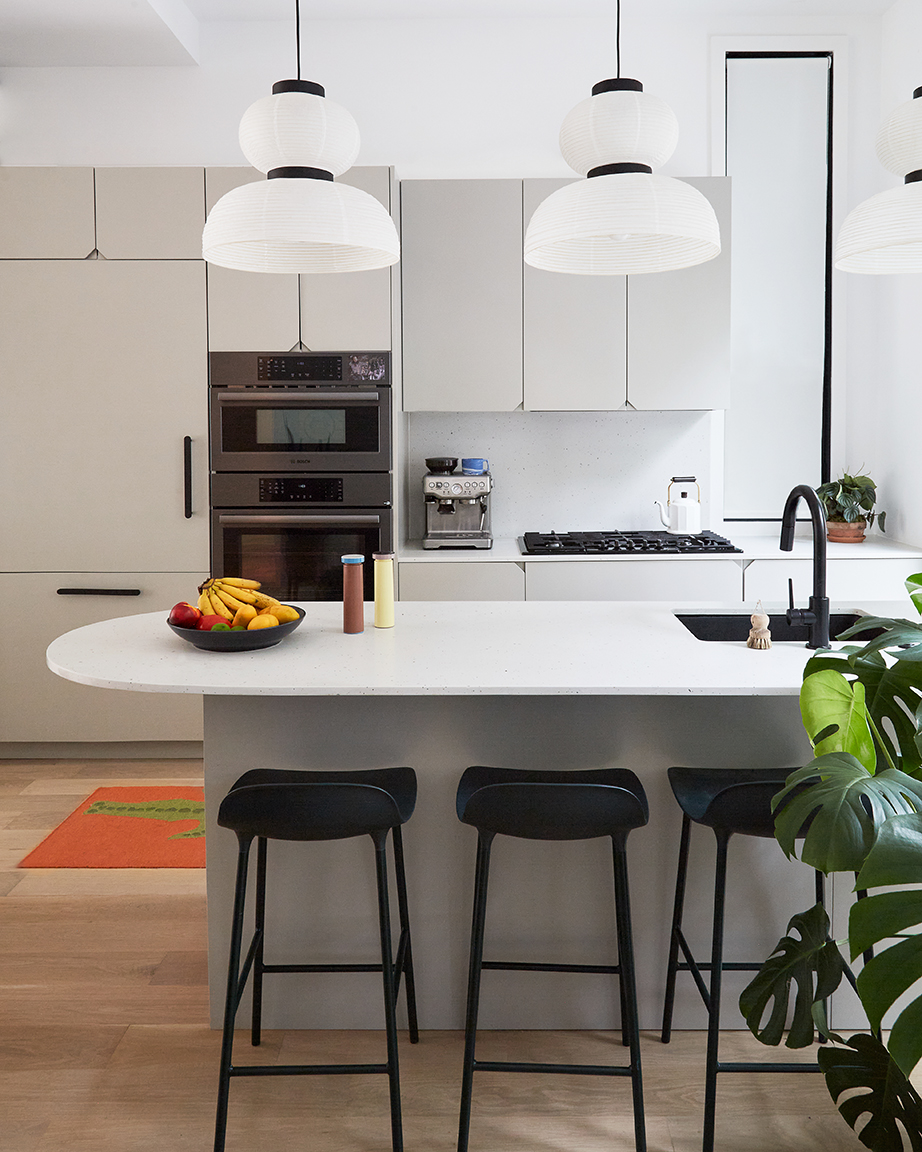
{"x":350,"y":310}
{"x":247,"y":311}
{"x":679,"y":325}
{"x":150,"y":213}
{"x":46,"y":213}
{"x":104,"y":365}
{"x":461,"y":272}
{"x":575,"y":332}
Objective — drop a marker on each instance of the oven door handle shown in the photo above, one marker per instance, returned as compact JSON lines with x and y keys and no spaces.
{"x":332,"y":517}
{"x":288,"y":396}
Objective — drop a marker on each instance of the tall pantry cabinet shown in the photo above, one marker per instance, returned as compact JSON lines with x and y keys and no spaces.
{"x":103,"y":369}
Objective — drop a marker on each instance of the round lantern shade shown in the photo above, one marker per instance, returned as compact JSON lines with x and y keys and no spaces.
{"x":299,"y":225}
{"x":883,"y":234}
{"x":622,"y":224}
{"x":619,"y":127}
{"x":299,"y":129}
{"x":899,"y":142}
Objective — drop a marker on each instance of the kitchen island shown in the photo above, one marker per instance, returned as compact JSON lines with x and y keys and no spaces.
{"x":540,"y":685}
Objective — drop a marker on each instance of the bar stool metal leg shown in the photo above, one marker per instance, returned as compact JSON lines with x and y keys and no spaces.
{"x":232,"y":996}
{"x":478,"y":925}
{"x":628,"y":984}
{"x":675,"y":936}
{"x":259,"y":951}
{"x":404,"y":963}
{"x":390,"y":990}
{"x":713,"y":1004}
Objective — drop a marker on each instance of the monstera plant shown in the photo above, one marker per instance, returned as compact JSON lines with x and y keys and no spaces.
{"x":860,"y":800}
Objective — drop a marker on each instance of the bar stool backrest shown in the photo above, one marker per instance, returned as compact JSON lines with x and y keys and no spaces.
{"x":308,"y":811}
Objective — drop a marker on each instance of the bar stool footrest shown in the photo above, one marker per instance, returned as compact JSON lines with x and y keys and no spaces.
{"x":566,"y":1069}
{"x":514,"y":966}
{"x":738,"y":1066}
{"x":305,"y":1069}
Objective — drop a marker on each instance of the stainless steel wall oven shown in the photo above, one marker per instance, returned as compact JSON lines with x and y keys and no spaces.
{"x":301,"y":467}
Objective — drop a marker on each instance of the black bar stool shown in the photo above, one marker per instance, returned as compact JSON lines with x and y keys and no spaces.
{"x":575,"y":805}
{"x":730,"y":801}
{"x":279,"y":804}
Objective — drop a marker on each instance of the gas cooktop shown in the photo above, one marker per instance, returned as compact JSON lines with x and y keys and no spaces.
{"x":621,"y":543}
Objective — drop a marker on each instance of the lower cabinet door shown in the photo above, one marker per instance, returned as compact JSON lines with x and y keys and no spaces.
{"x":857,"y":581}
{"x":462,"y":580}
{"x":676,"y":580}
{"x":37,"y":705}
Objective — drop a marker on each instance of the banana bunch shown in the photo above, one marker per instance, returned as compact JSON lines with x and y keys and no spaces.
{"x":239,"y":601}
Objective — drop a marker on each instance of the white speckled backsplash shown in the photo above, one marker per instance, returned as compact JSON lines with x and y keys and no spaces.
{"x":572,"y":471}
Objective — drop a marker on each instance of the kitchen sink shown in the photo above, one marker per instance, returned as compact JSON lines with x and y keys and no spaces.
{"x":736,"y":626}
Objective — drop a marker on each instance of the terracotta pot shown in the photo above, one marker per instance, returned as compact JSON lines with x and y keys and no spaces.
{"x":839,"y":532}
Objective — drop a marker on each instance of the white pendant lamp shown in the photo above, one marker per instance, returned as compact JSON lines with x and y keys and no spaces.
{"x":622,"y":219}
{"x":299,"y":220}
{"x":884,"y":234}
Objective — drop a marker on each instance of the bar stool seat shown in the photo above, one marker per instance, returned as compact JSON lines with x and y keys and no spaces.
{"x":553,"y":805}
{"x":731,"y":801}
{"x":282,"y":804}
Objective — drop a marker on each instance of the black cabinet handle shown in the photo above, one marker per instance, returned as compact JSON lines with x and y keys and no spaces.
{"x":99,"y":591}
{"x":187,"y":474}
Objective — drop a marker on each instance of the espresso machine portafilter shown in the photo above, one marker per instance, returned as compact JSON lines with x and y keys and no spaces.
{"x":457,"y":504}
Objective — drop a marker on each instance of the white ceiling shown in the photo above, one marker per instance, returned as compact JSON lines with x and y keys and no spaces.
{"x":139,"y":33}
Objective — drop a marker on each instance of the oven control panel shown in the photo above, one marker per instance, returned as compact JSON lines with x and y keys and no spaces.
{"x":300,"y":489}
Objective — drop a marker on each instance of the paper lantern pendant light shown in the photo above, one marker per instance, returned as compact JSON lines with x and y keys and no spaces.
{"x":622,"y":219}
{"x":884,"y":234}
{"x":299,"y":220}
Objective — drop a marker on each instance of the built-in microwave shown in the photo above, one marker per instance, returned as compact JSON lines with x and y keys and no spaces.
{"x":300,"y":411}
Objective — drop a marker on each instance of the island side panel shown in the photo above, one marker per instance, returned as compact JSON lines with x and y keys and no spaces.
{"x":548,"y":901}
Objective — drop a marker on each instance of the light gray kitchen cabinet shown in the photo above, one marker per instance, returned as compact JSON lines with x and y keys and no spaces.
{"x":675,"y":580}
{"x":854,"y":581}
{"x":46,"y":213}
{"x":253,"y":311}
{"x":104,"y":374}
{"x":461,"y":275}
{"x":462,"y":580}
{"x":678,"y":325}
{"x":150,"y":213}
{"x":575,"y":332}
{"x":37,"y":705}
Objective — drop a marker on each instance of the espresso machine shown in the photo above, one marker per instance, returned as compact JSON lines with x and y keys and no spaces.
{"x":457,"y":503}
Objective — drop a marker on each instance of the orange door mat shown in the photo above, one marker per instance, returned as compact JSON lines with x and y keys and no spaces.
{"x":156,"y":827}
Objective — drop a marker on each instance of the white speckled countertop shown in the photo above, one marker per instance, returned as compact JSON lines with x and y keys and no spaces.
{"x":458,"y":648}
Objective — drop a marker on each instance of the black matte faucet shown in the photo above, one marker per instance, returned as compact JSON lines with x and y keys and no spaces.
{"x":816,"y":616}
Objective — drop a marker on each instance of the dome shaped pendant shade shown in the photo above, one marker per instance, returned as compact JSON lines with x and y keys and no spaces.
{"x":622,"y":219}
{"x":884,"y":233}
{"x":299,"y":219}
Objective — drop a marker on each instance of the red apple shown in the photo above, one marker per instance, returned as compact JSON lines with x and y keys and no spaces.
{"x":185,"y":615}
{"x":208,"y":622}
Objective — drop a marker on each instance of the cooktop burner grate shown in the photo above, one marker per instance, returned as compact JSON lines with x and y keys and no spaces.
{"x":622,"y":543}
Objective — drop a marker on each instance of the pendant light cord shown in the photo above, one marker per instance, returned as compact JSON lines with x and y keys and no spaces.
{"x":617,"y":38}
{"x":298,"y":34}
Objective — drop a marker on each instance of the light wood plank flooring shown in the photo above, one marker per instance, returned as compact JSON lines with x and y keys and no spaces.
{"x":105,"y":1047}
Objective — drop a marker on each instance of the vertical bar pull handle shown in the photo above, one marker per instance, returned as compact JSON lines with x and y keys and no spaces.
{"x":187,"y":475}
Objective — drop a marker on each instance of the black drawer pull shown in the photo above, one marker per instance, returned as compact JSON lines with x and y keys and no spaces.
{"x":187,"y":476}
{"x":99,"y":591}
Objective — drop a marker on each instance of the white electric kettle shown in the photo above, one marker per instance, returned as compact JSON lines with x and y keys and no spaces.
{"x":684,"y":510}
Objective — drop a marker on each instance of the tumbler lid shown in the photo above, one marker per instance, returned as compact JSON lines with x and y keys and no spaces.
{"x":353,"y":558}
{"x":382,"y":555}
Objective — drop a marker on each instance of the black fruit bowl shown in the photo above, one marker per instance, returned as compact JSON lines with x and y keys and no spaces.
{"x":442,"y":465}
{"x":238,"y":641}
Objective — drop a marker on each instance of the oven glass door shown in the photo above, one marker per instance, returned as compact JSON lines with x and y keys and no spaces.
{"x":298,"y":556}
{"x":291,"y":428}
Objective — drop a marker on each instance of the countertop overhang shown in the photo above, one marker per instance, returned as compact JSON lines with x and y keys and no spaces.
{"x":446,"y":648}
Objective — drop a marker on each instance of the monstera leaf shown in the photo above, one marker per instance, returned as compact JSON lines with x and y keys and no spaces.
{"x":844,"y":806}
{"x":811,"y":961}
{"x":893,"y":695}
{"x":873,"y":1094}
{"x":895,"y":633}
{"x":836,"y":717}
{"x":914,"y":588}
{"x":896,"y":858}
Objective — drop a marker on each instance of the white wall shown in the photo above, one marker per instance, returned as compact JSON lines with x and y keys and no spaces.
{"x":885,"y":348}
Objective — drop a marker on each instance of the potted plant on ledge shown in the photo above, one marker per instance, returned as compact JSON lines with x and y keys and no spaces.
{"x":849,"y":504}
{"x":861,"y":801}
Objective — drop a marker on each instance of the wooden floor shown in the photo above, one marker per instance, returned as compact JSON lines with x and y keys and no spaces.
{"x":105,"y":1047}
